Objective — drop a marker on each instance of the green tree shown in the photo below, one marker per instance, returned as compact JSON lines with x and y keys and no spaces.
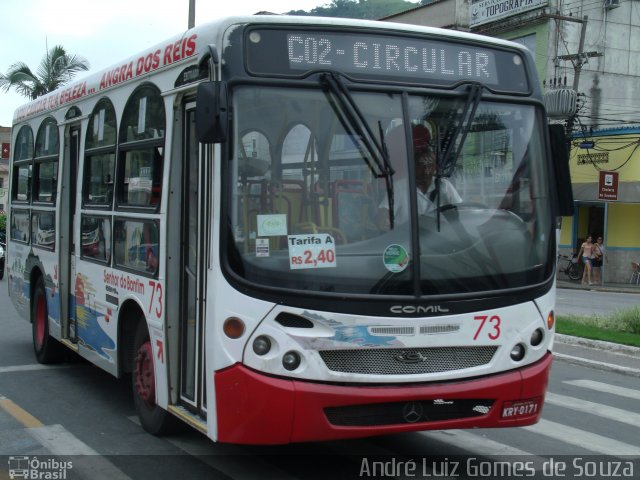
{"x":56,"y":69}
{"x":367,"y":9}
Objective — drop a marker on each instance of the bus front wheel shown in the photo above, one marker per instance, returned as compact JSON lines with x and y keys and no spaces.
{"x":153,"y":418}
{"x":46,"y":348}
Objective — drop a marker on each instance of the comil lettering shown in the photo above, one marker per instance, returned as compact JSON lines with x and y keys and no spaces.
{"x":418,"y":309}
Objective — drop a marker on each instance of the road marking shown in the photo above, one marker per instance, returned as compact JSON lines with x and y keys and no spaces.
{"x":17,"y":412}
{"x":59,"y":441}
{"x":605,"y":387}
{"x":605,"y":411}
{"x":85,"y":461}
{"x":30,"y":368}
{"x":581,"y":438}
{"x":474,"y":443}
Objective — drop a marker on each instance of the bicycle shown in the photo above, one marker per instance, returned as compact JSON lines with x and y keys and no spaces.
{"x":573,"y":268}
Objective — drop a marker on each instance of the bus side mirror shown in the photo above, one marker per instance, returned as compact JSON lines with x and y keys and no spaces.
{"x":211,"y":112}
{"x":560,"y":155}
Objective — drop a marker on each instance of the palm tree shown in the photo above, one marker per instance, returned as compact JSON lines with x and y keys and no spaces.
{"x":56,"y":69}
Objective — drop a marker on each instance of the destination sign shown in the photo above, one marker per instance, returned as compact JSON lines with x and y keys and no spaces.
{"x":383,"y":57}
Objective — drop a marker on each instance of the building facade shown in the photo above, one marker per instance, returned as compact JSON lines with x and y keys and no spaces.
{"x":605,"y":176}
{"x":584,"y":52}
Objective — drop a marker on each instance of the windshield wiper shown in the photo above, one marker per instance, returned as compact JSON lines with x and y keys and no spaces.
{"x":374,"y":152}
{"x":457,"y":138}
{"x":447,"y":163}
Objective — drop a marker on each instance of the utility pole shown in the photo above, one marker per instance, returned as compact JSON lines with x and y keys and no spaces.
{"x":577,"y":59}
{"x":580,"y":61}
{"x":580,"y":58}
{"x":192,"y":13}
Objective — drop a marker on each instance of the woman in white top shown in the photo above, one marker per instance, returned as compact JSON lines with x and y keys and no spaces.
{"x":598,"y":258}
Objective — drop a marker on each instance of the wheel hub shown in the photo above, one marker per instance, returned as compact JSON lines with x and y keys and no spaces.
{"x":144,"y":375}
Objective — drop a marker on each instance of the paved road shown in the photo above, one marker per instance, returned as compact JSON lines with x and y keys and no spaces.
{"x":575,"y":301}
{"x":76,"y":409}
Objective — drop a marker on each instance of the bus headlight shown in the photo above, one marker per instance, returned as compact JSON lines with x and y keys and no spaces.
{"x":291,"y":360}
{"x":261,"y":345}
{"x":517,"y":352}
{"x":536,"y":337}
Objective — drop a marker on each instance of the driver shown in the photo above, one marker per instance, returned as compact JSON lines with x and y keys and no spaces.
{"x":426,"y":165}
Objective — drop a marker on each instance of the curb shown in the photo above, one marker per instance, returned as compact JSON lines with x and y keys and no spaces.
{"x":599,"y":345}
{"x":608,"y":367}
{"x":615,"y":348}
{"x":618,"y":288}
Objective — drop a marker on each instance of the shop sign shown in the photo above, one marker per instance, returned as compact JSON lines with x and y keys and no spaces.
{"x":608,"y":186}
{"x":485,"y":11}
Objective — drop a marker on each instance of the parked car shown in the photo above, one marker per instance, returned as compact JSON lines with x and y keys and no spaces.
{"x":2,"y":255}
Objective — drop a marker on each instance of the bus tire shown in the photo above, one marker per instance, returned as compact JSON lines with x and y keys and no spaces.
{"x":46,"y":348}
{"x":153,"y":418}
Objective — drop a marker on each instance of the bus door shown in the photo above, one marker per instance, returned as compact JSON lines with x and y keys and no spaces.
{"x":67,"y":240}
{"x":193,"y":269}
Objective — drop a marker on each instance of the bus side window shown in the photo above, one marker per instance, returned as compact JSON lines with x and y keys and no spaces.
{"x":137,"y":245}
{"x":96,"y":238}
{"x":141,"y":159}
{"x":20,"y":225}
{"x":100,"y":157}
{"x":45,"y":181}
{"x":22,"y":172}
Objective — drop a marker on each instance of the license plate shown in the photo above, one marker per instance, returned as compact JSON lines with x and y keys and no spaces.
{"x":521,"y":408}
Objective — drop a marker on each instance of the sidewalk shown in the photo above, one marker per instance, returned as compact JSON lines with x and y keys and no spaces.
{"x":607,"y":287}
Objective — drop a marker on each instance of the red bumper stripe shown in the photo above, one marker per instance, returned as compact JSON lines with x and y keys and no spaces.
{"x":254,"y":408}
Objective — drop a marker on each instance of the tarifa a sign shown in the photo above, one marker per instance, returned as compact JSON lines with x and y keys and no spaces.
{"x":485,"y":11}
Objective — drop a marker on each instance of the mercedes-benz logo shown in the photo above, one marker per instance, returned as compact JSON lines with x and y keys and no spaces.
{"x":409,"y":358}
{"x":412,"y":412}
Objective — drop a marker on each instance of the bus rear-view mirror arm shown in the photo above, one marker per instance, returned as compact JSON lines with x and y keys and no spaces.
{"x":211,"y":112}
{"x":560,"y":155}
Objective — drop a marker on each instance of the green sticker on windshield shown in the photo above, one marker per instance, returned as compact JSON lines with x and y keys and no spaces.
{"x":395,"y":258}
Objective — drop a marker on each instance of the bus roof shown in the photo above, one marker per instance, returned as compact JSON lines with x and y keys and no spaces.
{"x":186,"y":47}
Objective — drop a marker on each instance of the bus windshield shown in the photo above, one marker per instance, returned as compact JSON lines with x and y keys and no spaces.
{"x":311,"y":208}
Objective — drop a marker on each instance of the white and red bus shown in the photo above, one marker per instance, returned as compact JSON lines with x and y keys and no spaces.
{"x":234,"y":218}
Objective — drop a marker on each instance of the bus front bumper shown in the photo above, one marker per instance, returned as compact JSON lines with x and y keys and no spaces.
{"x":257,"y":409}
